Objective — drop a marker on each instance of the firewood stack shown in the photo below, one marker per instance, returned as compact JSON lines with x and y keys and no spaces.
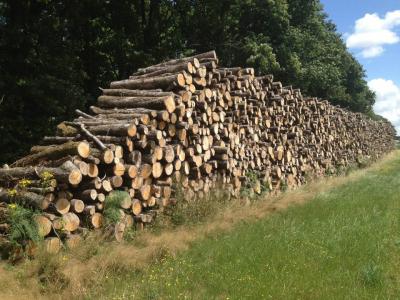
{"x":190,"y":122}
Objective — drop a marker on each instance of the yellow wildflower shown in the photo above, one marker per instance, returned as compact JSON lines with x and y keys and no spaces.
{"x":12,"y":192}
{"x":24,"y":182}
{"x":46,"y":176}
{"x":12,"y":206}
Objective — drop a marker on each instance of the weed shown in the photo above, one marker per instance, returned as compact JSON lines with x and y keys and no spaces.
{"x":309,"y":176}
{"x":23,"y":183}
{"x":46,"y":179}
{"x":247,"y":192}
{"x":23,"y":227}
{"x":265,"y":189}
{"x":254,"y":189}
{"x":12,"y":193}
{"x":112,"y":206}
{"x":196,"y":210}
{"x":371,"y":275}
{"x":251,"y":177}
{"x":130,"y":234}
{"x":284,"y":185}
{"x":363,"y":161}
{"x":331,"y":171}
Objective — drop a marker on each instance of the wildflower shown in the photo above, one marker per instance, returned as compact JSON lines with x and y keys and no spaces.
{"x":24,"y":182}
{"x":12,"y":206}
{"x":12,"y":192}
{"x":46,"y":176}
{"x":65,"y":258}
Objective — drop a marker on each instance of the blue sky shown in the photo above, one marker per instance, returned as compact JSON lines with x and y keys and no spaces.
{"x":371,"y":30}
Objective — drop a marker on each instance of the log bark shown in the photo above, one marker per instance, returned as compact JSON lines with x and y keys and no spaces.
{"x":163,"y":82}
{"x":25,"y":199}
{"x":54,"y":152}
{"x":93,"y":138}
{"x":133,"y":93}
{"x":167,"y":69}
{"x":156,"y":103}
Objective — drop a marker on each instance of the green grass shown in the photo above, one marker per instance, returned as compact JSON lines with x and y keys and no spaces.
{"x":112,"y":210}
{"x":345,"y":244}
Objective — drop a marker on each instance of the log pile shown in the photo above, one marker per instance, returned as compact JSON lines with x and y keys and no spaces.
{"x":189,"y":121}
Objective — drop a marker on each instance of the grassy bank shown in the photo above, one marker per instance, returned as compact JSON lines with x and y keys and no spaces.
{"x":345,"y":244}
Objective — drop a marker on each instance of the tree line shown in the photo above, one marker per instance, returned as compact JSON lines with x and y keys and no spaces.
{"x":56,"y":54}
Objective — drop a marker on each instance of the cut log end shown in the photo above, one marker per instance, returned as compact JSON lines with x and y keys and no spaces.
{"x":136,"y":207}
{"x":97,"y":220}
{"x":75,"y":177}
{"x":83,"y":149}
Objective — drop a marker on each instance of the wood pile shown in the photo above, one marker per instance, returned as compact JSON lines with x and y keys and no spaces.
{"x":186,"y":121}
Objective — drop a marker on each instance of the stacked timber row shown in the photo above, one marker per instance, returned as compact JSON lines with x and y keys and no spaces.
{"x":188,"y":121}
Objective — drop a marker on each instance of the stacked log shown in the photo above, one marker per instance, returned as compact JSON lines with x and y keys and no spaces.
{"x":189,"y":122}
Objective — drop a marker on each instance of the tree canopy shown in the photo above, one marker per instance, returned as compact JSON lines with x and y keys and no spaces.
{"x":55,"y":54}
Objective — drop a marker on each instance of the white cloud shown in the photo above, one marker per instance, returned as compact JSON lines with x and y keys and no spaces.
{"x":387,"y":100}
{"x":372,"y":32}
{"x":372,"y":52}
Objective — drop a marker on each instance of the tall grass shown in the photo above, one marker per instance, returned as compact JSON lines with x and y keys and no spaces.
{"x":343,"y":245}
